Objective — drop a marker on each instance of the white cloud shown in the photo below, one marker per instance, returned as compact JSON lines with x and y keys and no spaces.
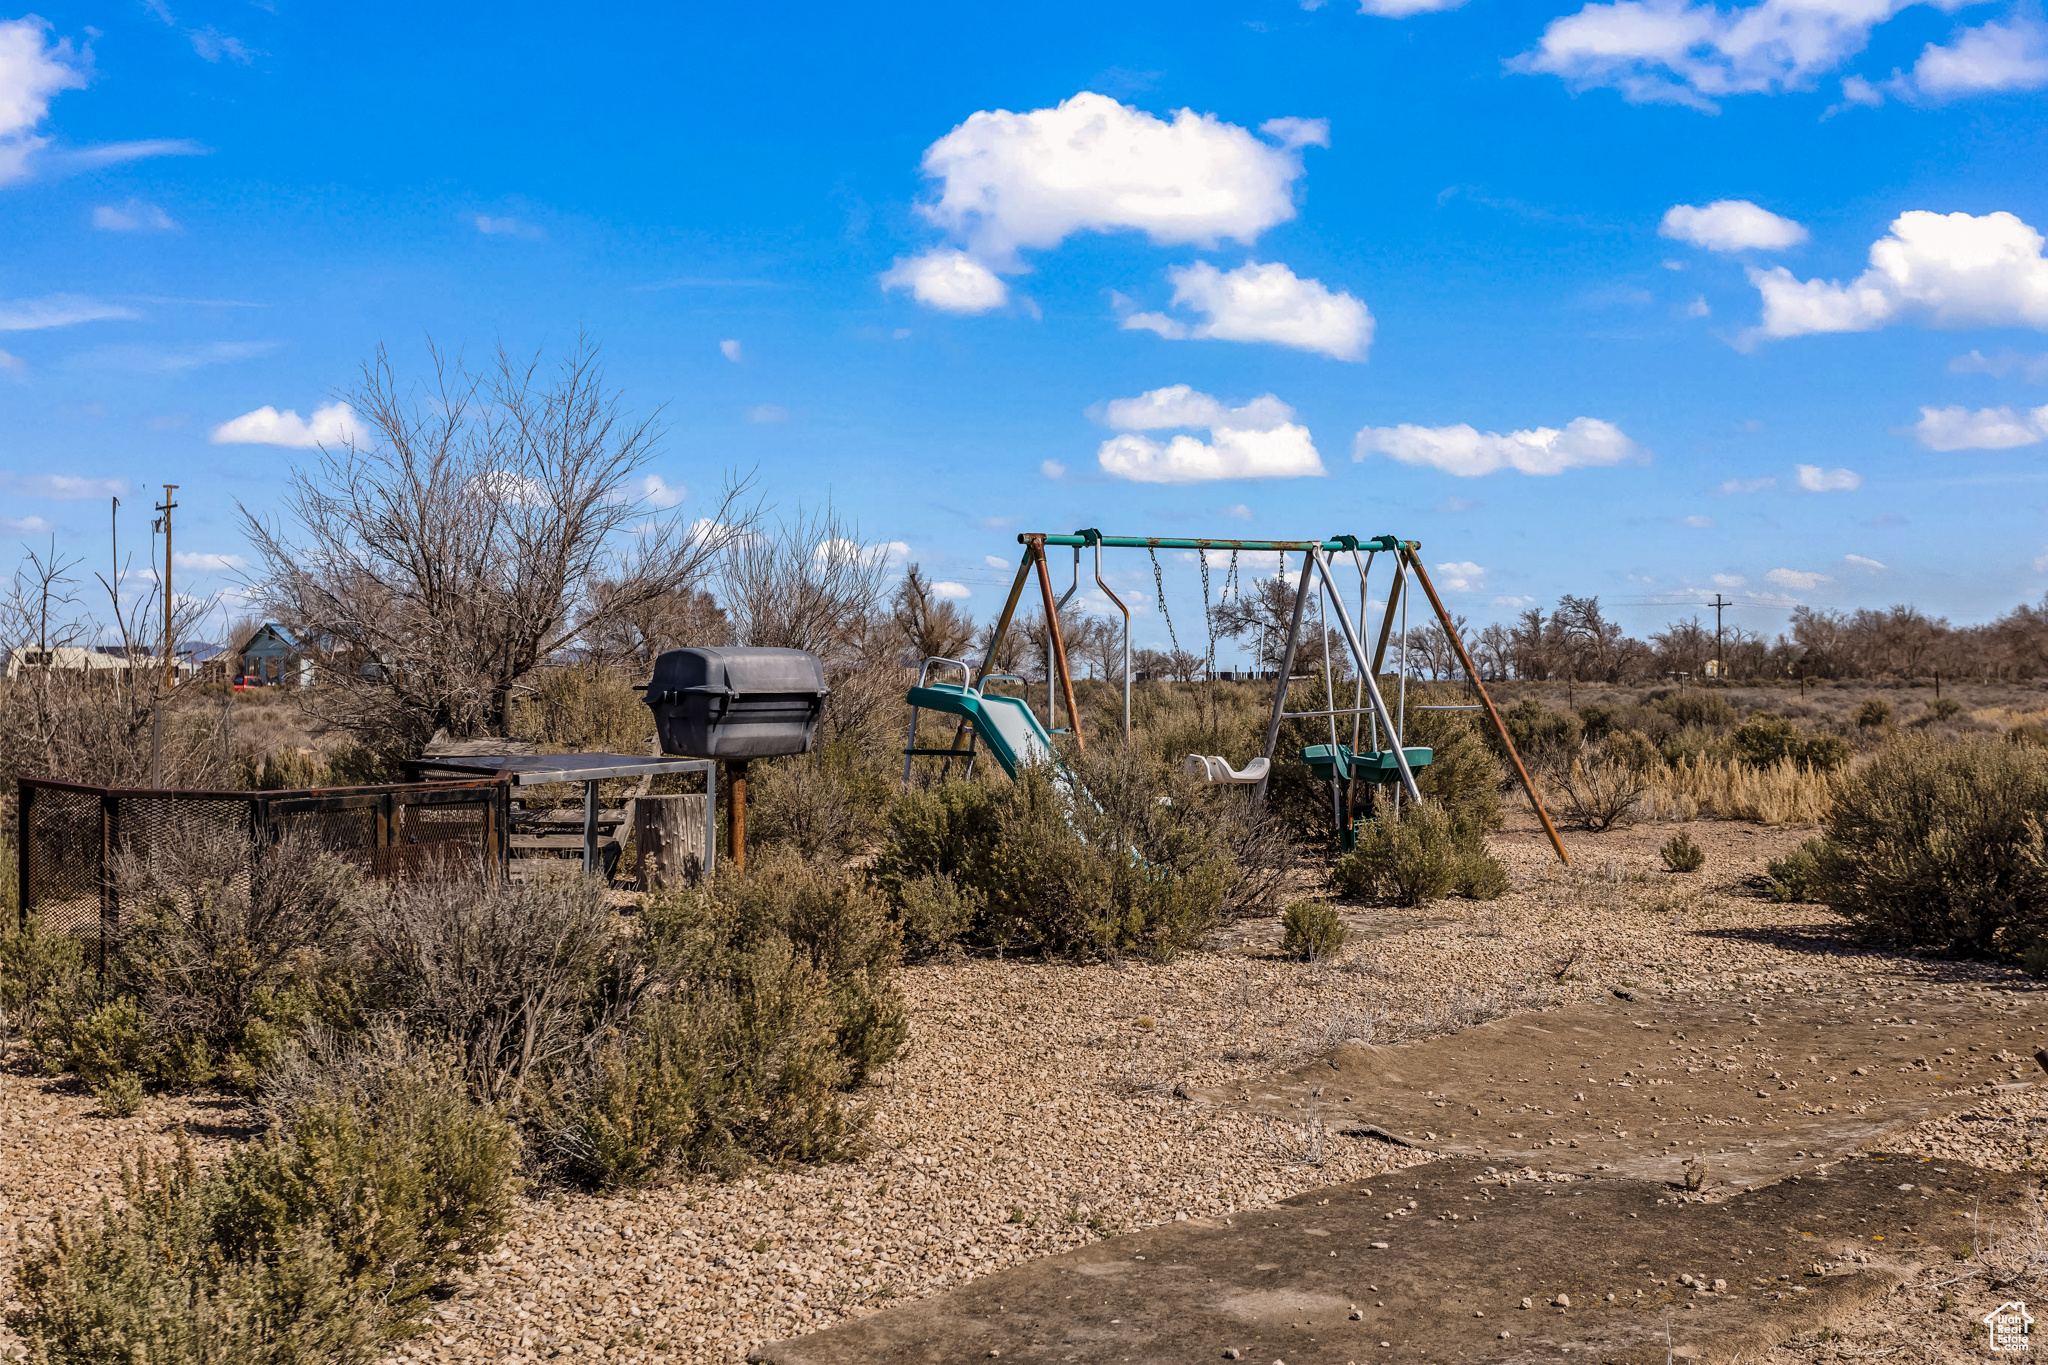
{"x":11,"y":361}
{"x":26,"y":526}
{"x":1461,"y":575}
{"x":730,"y":349}
{"x":1259,"y":440}
{"x":1814,"y":479}
{"x":2031,"y":366}
{"x":1989,"y":58}
{"x":1797,"y":580}
{"x":1671,"y":51}
{"x":1961,"y":428}
{"x":137,"y":215}
{"x":887,"y":553}
{"x":58,"y":310}
{"x":1009,"y":181}
{"x":1730,"y":225}
{"x":1698,"y":308}
{"x":506,"y":486}
{"x":1263,"y":303}
{"x":658,"y":492}
{"x":32,"y":71}
{"x":1512,"y":603}
{"x":1466,"y":452}
{"x":1180,"y":405}
{"x":334,"y":424}
{"x":1700,"y":522}
{"x":997,"y":562}
{"x":1052,"y":469}
{"x":1942,"y":270}
{"x":1728,"y":580}
{"x":2041,"y":562}
{"x":65,"y":486}
{"x":1403,"y":9}
{"x":764,"y":414}
{"x":199,"y":562}
{"x":949,"y":280}
{"x":1748,"y":485}
{"x":1237,"y":511}
{"x":947,"y":588}
{"x":506,"y":227}
{"x":1864,"y":563}
{"x":1285,"y":452}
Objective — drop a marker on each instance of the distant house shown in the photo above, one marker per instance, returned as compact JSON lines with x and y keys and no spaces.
{"x":76,"y":657}
{"x":274,"y":656}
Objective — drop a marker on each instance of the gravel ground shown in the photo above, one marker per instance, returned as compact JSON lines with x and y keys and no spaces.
{"x":1034,"y":1108}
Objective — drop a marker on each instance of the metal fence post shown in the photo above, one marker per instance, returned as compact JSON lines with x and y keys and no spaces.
{"x":24,"y":867}
{"x":110,"y":896}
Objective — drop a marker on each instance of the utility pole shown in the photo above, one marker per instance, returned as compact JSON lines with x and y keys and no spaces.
{"x":156,"y":728}
{"x":1720,"y":661}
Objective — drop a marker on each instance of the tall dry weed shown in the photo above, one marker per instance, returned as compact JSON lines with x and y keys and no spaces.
{"x":1783,"y":793}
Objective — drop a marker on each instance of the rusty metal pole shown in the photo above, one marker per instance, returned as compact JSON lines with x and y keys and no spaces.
{"x":1059,"y":644}
{"x":736,"y":812}
{"x":1500,"y":727}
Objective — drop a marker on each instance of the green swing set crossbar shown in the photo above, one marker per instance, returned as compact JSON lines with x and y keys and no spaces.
{"x":1340,"y":764}
{"x":1084,"y":539}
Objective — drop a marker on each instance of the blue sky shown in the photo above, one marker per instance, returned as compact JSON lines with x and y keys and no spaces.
{"x":1648,"y":300}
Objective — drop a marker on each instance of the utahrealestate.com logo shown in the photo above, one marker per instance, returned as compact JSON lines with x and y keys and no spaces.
{"x":2007,"y":1327}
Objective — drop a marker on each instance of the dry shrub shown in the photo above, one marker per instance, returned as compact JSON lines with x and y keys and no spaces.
{"x":1783,"y":794}
{"x":231,"y":947}
{"x":39,"y":971}
{"x":1420,"y":855}
{"x":1314,"y":931}
{"x":767,"y":997}
{"x":228,"y":949}
{"x":1940,"y":845}
{"x":509,"y":972}
{"x":1125,"y":855}
{"x":1682,"y":854}
{"x":1797,"y":876}
{"x":1602,"y":794}
{"x":320,"y":1243}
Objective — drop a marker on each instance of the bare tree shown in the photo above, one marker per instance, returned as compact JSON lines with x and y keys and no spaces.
{"x":637,"y":634}
{"x":811,"y":583}
{"x":61,"y":718}
{"x":931,"y":626}
{"x":1105,"y":648}
{"x":1494,"y":652}
{"x":483,"y":526}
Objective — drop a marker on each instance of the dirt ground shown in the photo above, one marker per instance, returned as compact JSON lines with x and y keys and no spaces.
{"x":1034,"y":1111}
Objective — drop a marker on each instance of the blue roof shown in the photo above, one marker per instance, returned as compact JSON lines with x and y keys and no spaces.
{"x":289,"y":640}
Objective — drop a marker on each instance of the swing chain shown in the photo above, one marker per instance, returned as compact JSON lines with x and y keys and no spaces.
{"x":1208,"y":613}
{"x":1159,"y":586}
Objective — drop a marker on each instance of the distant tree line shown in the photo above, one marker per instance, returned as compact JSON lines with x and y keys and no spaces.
{"x":1576,"y":642}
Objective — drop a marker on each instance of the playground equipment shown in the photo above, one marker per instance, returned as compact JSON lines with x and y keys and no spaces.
{"x":1009,"y":729}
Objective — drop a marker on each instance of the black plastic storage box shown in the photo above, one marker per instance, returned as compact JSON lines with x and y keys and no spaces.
{"x":737,"y":703}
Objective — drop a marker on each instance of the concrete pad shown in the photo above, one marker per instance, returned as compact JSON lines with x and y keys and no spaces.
{"x":1641,"y":1088}
{"x":1434,"y":1263}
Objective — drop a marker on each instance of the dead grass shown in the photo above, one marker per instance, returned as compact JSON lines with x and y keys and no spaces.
{"x":1782,"y":794}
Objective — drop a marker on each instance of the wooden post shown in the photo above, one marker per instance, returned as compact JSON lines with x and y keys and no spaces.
{"x":736,"y":812}
{"x":669,"y":833}
{"x":1500,"y":726}
{"x":1065,"y":680}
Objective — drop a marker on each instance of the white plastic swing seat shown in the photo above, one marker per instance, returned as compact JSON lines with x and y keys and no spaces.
{"x":1214,"y":768}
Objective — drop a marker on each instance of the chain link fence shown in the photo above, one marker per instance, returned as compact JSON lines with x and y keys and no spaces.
{"x":70,"y":835}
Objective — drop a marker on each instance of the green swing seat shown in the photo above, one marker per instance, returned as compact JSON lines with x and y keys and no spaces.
{"x":1337,"y":762}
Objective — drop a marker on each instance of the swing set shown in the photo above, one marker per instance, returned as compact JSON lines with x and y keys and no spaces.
{"x":1008,"y":728}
